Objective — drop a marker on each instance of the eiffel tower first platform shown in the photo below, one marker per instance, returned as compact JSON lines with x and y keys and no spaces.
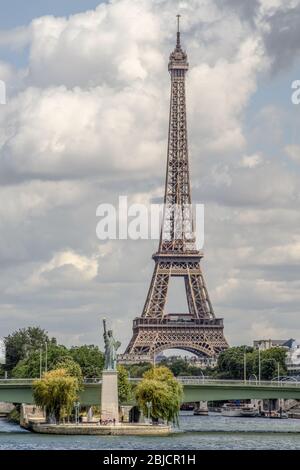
{"x":197,"y":331}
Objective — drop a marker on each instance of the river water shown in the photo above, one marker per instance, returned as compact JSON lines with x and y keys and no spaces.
{"x":195,"y":432}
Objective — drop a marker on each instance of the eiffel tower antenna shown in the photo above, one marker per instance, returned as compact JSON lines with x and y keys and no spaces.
{"x":198,"y":330}
{"x":178,"y":31}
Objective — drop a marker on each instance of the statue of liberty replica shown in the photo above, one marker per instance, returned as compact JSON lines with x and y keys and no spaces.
{"x":111,"y":346}
{"x":109,"y":389}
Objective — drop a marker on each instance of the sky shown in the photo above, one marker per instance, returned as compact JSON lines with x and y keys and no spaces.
{"x":86,"y":121}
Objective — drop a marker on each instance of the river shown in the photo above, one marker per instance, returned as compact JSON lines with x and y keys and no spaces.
{"x":195,"y":432}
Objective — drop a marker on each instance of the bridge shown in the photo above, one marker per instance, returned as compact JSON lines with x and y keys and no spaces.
{"x":195,"y":389}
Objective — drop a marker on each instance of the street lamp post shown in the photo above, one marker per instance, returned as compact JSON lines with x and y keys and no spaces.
{"x":40,"y":363}
{"x":46,"y":358}
{"x":245,"y":367}
{"x":259,"y":366}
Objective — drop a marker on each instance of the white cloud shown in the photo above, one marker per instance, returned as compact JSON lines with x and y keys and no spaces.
{"x":16,"y":38}
{"x":59,"y":133}
{"x":88,"y":267}
{"x":89,"y":122}
{"x":6,"y":71}
{"x":114,"y":44}
{"x":251,"y":161}
{"x":284,"y":254}
{"x":217,"y":103}
{"x":293,"y":151}
{"x":123,"y":91}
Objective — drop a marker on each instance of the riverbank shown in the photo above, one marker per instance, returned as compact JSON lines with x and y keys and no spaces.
{"x":100,"y":430}
{"x":194,"y":432}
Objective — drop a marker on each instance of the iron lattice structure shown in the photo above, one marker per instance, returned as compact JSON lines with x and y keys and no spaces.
{"x":197,"y":331}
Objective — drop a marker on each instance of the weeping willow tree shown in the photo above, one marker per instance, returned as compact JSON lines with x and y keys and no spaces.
{"x":160,"y":394}
{"x":56,"y":391}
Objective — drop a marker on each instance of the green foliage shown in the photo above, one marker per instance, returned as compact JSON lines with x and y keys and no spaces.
{"x":160,"y":373}
{"x":137,"y":370}
{"x":160,"y":388}
{"x":124,"y":386}
{"x":90,"y":359}
{"x":56,"y":391}
{"x":231,"y":363}
{"x":181,"y":366}
{"x":14,"y":415}
{"x":71,"y":367}
{"x":30,"y":366}
{"x":269,"y":360}
{"x":178,"y":366}
{"x":22,"y":342}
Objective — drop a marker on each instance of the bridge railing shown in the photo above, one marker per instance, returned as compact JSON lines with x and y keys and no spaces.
{"x":94,"y":380}
{"x":185,"y":380}
{"x":16,"y":381}
{"x":26,"y":381}
{"x":196,"y":380}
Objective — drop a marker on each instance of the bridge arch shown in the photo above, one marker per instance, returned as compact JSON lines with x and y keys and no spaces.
{"x":201,"y":350}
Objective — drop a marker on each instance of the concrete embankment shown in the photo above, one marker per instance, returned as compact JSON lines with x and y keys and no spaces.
{"x":5,"y":409}
{"x":98,"y":430}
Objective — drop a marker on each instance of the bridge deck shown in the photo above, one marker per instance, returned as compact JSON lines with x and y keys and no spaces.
{"x":195,"y":389}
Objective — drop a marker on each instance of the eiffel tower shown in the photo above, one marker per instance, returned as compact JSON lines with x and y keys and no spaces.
{"x":197,"y":331}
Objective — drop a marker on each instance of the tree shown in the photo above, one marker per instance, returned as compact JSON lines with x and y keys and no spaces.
{"x":270,"y":359}
{"x":72,"y":368}
{"x":124,"y":386}
{"x":181,"y":366}
{"x":160,"y":388}
{"x":231,"y":363}
{"x":90,"y":359}
{"x":22,"y":342}
{"x":178,"y":366}
{"x":56,"y":391}
{"x":137,"y":370}
{"x":30,"y":366}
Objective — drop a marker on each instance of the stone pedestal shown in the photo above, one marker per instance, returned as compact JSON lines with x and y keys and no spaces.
{"x":109,"y":396}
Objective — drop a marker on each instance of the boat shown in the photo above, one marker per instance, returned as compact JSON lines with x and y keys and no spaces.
{"x":277,"y":414}
{"x":231,"y":410}
{"x":187,"y":407}
{"x":200,"y":412}
{"x":249,"y":410}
